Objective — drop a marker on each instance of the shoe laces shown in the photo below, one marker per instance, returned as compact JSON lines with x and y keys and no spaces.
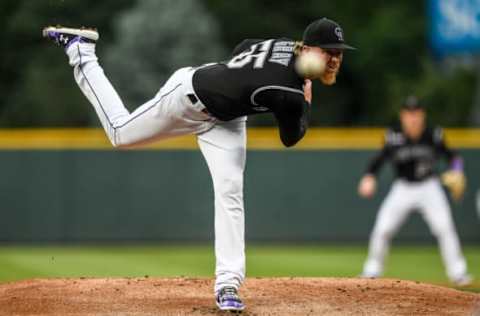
{"x":229,"y":293}
{"x":62,"y":39}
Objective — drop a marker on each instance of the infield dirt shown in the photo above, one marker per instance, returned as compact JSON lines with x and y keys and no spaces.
{"x":188,"y":296}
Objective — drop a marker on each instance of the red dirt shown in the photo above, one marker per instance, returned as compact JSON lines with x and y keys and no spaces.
{"x":280,"y":296}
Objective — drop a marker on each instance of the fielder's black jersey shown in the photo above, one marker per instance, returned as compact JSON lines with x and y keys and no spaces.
{"x":413,"y":160}
{"x":259,"y":78}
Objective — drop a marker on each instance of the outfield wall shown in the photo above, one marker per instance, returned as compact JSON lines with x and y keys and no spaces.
{"x":69,"y":185}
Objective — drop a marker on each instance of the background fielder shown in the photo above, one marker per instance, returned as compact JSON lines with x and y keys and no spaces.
{"x":212,"y":101}
{"x":414,"y":149}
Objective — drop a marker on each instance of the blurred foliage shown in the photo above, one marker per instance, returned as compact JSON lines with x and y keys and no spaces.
{"x":35,"y":79}
{"x":447,"y":94}
{"x":153,"y":46}
{"x":141,"y":43}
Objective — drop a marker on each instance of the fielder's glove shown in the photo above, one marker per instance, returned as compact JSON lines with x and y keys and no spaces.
{"x":455,"y":182}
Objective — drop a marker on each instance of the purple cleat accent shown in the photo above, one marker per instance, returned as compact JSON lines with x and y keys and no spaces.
{"x":228,"y":300}
{"x":65,"y":37}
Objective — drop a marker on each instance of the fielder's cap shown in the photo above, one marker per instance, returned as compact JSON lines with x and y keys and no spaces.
{"x":325,"y":33}
{"x":412,"y":103}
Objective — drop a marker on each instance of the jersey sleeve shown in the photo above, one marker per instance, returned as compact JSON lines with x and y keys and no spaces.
{"x":291,"y":111}
{"x":245,"y":45}
{"x":452,"y":156}
{"x":384,"y":154}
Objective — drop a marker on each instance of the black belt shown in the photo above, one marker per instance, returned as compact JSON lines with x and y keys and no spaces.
{"x":193,"y":98}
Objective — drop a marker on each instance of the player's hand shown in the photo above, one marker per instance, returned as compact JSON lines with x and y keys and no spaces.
{"x":455,"y":182}
{"x":307,"y":90}
{"x":367,"y":186}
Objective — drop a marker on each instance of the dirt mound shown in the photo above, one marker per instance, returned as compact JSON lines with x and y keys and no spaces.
{"x":186,"y":296}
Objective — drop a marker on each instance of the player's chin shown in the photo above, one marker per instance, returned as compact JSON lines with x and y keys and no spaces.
{"x":329,"y":78}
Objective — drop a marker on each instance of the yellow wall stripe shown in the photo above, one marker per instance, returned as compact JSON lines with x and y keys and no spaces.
{"x":258,"y":139}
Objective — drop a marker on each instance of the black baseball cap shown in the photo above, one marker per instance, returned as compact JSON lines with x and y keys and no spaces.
{"x":325,"y":33}
{"x":412,"y":103}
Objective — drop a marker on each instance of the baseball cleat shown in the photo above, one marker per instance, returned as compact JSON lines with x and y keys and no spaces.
{"x":365,"y":275}
{"x":64,"y":36}
{"x":228,"y":300}
{"x":464,"y":280}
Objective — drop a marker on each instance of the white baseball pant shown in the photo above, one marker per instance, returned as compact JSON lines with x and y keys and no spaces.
{"x":429,"y":199}
{"x":171,"y":113}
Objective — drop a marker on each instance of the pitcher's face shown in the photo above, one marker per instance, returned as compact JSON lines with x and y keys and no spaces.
{"x":333,"y":61}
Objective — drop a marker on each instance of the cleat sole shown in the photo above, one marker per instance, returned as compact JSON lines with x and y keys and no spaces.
{"x":88,"y":33}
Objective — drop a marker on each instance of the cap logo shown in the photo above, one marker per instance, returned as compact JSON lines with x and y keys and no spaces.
{"x":339,"y":33}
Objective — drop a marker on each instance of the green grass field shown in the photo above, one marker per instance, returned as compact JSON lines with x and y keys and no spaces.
{"x":421,"y":263}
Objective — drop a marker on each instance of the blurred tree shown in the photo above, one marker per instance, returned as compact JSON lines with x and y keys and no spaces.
{"x":154,"y":39}
{"x":8,"y":73}
{"x":393,"y":57}
{"x":446,"y":93}
{"x":36,"y":82}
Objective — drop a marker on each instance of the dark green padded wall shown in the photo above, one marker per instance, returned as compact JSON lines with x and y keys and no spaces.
{"x":167,"y":195}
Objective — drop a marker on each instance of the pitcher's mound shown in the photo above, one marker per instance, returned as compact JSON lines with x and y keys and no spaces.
{"x":279,"y":296}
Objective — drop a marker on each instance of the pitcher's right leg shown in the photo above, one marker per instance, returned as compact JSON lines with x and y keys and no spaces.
{"x":224,"y":149}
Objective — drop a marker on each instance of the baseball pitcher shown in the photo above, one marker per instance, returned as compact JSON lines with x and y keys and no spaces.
{"x":212,"y":102}
{"x":414,"y":148}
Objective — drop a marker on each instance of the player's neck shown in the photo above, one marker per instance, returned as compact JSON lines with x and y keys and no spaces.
{"x":414,"y":135}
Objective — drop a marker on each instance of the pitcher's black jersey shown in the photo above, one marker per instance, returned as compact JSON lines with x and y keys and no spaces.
{"x":259,"y":78}
{"x":413,"y":160}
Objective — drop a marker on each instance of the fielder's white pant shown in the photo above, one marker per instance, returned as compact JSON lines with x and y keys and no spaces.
{"x":429,"y":199}
{"x":171,"y":113}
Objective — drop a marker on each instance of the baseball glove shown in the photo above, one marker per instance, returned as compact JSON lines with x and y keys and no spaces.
{"x":455,"y":182}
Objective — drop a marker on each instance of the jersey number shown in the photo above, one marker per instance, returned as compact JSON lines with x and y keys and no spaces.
{"x":257,"y":53}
